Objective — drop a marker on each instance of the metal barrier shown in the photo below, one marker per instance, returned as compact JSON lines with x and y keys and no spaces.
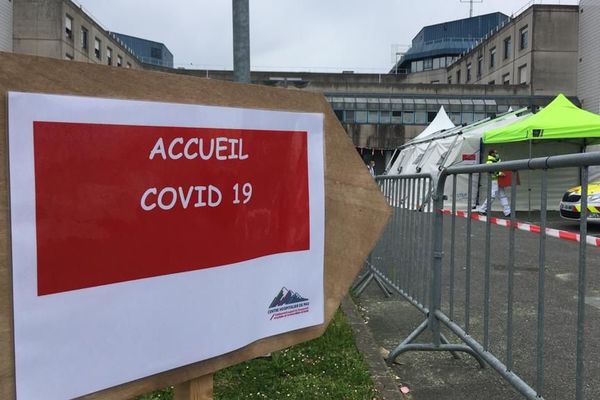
{"x":401,"y":260}
{"x":410,"y":260}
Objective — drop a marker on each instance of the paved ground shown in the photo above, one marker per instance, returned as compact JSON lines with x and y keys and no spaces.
{"x":433,"y":376}
{"x":555,"y":221}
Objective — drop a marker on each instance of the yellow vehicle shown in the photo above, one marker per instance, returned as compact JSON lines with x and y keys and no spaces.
{"x":570,"y":206}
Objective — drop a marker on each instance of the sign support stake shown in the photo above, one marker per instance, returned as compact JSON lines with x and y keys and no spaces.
{"x":195,"y":389}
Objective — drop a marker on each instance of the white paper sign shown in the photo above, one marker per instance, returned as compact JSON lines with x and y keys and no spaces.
{"x":147,"y":236}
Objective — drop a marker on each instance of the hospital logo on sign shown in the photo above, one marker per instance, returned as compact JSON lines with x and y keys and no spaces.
{"x":288,"y":303}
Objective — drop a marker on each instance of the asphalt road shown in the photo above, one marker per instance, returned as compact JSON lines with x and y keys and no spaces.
{"x":433,"y":376}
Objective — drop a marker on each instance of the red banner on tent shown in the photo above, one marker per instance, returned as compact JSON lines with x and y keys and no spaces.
{"x":116,"y":203}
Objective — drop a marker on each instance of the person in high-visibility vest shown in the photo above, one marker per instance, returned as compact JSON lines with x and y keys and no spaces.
{"x":497,"y":191}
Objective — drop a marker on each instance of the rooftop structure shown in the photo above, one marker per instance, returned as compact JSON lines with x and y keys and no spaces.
{"x":148,"y":51}
{"x":437,"y":46}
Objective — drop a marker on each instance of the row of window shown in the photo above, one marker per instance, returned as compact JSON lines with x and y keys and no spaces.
{"x":431,"y":63}
{"x":411,"y":117}
{"x":412,"y":104}
{"x":521,"y":77}
{"x":84,"y":44}
{"x":507,"y":53}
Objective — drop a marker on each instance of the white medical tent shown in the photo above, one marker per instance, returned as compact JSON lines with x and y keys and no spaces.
{"x":458,"y":146}
{"x":441,"y":122}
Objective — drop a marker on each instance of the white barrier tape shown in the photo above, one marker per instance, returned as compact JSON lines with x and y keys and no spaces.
{"x":557,"y":233}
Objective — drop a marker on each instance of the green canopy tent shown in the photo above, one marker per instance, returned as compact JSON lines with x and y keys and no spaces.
{"x":560,"y":119}
{"x":559,"y":128}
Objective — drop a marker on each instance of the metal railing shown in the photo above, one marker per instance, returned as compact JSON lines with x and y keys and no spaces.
{"x":419,"y":258}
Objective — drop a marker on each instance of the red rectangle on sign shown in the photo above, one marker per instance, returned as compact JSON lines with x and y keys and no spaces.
{"x":116,"y":203}
{"x":469,"y":157}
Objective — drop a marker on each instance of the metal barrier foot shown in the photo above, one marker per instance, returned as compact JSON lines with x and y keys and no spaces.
{"x":408,"y":345}
{"x":362,"y":282}
{"x":383,"y":286}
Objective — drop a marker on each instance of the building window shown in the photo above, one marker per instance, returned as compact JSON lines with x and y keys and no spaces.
{"x":155,"y":53}
{"x":449,"y":80}
{"x":458,"y":76}
{"x":68,"y":56}
{"x":523,"y":73}
{"x":97,"y":52}
{"x":360,"y":117}
{"x":84,"y":38}
{"x":384,"y":117}
{"x":119,"y":61}
{"x":373,"y":117}
{"x":492,"y":57}
{"x":507,"y":47}
{"x":506,"y":79}
{"x":524,"y":35}
{"x":479,"y":66}
{"x":109,"y":56}
{"x":491,"y":82}
{"x":468,"y":72}
{"x":128,"y":65}
{"x":427,"y":64}
{"x":421,"y":117}
{"x":349,"y":116}
{"x":69,"y":27}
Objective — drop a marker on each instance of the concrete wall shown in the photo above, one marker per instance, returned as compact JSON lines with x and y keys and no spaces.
{"x":548,"y":60}
{"x":433,"y":76}
{"x":371,"y":136}
{"x":39,"y":29}
{"x":376,"y":84}
{"x":555,"y":50}
{"x":588,"y":69}
{"x":6,"y":25}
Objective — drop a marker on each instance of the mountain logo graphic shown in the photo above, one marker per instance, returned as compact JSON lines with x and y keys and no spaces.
{"x":288,"y":303}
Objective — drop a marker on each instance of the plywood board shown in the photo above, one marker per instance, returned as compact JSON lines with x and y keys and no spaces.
{"x":355,"y":210}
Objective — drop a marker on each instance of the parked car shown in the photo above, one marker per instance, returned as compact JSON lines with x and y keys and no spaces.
{"x":570,"y":206}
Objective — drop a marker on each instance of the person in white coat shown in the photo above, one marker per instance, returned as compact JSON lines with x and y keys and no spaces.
{"x":497,"y":191}
{"x":371,"y":168}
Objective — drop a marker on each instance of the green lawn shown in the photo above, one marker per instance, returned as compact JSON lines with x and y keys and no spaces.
{"x":329,"y":367}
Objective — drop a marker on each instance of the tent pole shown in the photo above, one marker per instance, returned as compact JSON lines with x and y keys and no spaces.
{"x":529,"y":185}
{"x":479,"y":174}
{"x":583,"y":148}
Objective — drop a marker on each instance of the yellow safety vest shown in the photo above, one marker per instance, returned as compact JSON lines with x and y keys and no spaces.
{"x":490,"y":160}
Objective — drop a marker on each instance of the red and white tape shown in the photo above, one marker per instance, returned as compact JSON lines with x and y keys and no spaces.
{"x":557,"y":233}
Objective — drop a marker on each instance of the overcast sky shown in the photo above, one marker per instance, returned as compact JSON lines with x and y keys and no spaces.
{"x":290,"y":35}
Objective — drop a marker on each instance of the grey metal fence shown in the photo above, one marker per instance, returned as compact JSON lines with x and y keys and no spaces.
{"x":464,"y":284}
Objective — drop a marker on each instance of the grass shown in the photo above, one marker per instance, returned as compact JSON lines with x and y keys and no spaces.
{"x":329,"y":367}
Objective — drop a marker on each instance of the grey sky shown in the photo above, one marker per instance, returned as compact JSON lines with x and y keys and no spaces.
{"x":307,"y":35}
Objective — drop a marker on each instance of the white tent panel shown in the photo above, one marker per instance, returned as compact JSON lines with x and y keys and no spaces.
{"x":440,"y":122}
{"x":529,"y":191}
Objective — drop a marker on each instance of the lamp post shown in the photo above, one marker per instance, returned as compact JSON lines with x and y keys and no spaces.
{"x":241,"y":41}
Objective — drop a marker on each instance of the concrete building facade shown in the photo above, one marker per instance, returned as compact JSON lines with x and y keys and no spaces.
{"x":61,"y":29}
{"x":6,"y":25}
{"x":588,"y":68}
{"x":382,"y":111}
{"x":538,"y":48}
